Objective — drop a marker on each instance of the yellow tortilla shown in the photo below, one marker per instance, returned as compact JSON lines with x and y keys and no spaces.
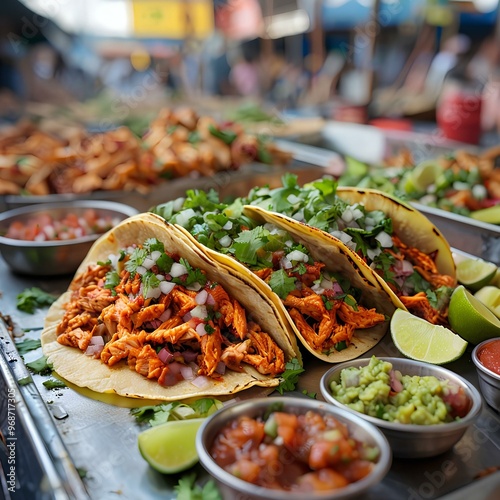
{"x":84,"y":371}
{"x":338,"y":258}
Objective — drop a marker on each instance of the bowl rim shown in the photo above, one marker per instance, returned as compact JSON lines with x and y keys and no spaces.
{"x":119,"y":208}
{"x":479,"y":366}
{"x":445,"y":427}
{"x":380,"y":470}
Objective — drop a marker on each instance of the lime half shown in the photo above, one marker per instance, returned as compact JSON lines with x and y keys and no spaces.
{"x":475,"y":273}
{"x":490,"y":215}
{"x":418,"y":339}
{"x":422,"y":176}
{"x":490,"y":297}
{"x":171,"y":447}
{"x":470,"y":318}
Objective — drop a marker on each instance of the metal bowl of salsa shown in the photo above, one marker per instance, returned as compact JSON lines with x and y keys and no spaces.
{"x":52,"y":239}
{"x":411,"y":438}
{"x":486,"y":357}
{"x":291,"y":448}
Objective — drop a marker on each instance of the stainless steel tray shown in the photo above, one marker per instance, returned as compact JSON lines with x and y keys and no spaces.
{"x":102,"y":439}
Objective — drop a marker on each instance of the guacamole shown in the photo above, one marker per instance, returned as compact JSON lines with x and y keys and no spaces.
{"x":379,"y":391}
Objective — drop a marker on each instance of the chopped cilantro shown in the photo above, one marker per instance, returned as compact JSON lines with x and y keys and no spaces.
{"x":282,"y":284}
{"x":136,"y":259}
{"x":340,"y":346}
{"x":40,"y":366}
{"x":54,"y":384}
{"x":28,"y":345}
{"x":112,"y":280}
{"x":159,"y":414}
{"x":226,"y":136}
{"x":149,"y":282}
{"x":187,"y":489}
{"x":248,"y":243}
{"x":290,"y":376}
{"x":32,"y":298}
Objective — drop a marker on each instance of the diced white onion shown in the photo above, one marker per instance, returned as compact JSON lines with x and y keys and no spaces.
{"x":194,"y":286}
{"x":153,"y":293}
{"x":373,"y":252}
{"x":177,"y":270}
{"x":228,"y":225}
{"x":357,"y":214}
{"x":200,"y":381}
{"x":461,"y":186}
{"x":199,"y":312}
{"x":299,"y":215}
{"x":177,"y":204}
{"x":200,"y":329}
{"x":285,"y":263}
{"x":384,"y":239}
{"x":326,"y":284}
{"x":113,"y":258}
{"x":148,"y":263}
{"x":155,"y":255}
{"x":225,"y":241}
{"x":187,"y":373}
{"x":166,"y":287}
{"x":183,"y":217}
{"x":297,"y":255}
{"x":201,"y":297}
{"x":347,"y":215}
{"x":160,"y":277}
{"x":141,"y":270}
{"x":316,"y":288}
{"x":94,"y":350}
{"x":479,"y":192}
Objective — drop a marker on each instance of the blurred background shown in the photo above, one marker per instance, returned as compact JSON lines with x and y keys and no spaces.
{"x":384,"y":62}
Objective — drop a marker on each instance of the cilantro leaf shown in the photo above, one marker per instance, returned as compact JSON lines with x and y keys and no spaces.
{"x":187,"y":489}
{"x":290,"y":377}
{"x":54,"y":384}
{"x":40,"y":366}
{"x":32,"y":298}
{"x":282,"y":284}
{"x":28,"y":345}
{"x":248,"y":243}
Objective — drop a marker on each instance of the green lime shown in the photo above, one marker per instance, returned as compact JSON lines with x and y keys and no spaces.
{"x":490,"y":215}
{"x":418,"y":339}
{"x":470,"y":318}
{"x":423,"y":175}
{"x":490,"y":297}
{"x":475,"y":273}
{"x":170,"y":447}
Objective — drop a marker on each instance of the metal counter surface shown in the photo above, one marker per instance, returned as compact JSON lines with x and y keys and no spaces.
{"x":101,"y":439}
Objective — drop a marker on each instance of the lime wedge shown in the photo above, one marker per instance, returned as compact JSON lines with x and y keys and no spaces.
{"x":475,"y":273}
{"x":423,"y":175}
{"x":418,"y":339}
{"x":490,"y":215}
{"x":490,"y":297}
{"x":171,"y":447}
{"x":470,"y":318}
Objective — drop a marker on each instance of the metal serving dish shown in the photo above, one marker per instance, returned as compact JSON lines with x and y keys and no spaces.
{"x":410,"y":440}
{"x":489,"y":381}
{"x":233,"y":487}
{"x":51,"y":258}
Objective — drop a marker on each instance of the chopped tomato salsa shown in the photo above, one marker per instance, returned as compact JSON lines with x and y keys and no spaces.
{"x":44,"y":227}
{"x":307,"y":452}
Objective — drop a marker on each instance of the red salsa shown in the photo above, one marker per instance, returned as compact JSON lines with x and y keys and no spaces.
{"x":309,"y":452}
{"x":489,"y":356}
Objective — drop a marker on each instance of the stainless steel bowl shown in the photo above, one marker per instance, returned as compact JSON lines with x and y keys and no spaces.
{"x":233,"y":487}
{"x":489,"y":382}
{"x":411,"y":440}
{"x":51,"y":258}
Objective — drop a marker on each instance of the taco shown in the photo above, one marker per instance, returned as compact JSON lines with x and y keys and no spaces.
{"x":337,"y":309}
{"x":407,"y":253}
{"x":148,"y":316}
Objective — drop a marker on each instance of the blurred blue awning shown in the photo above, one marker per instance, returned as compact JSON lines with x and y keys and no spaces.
{"x":346,"y":14}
